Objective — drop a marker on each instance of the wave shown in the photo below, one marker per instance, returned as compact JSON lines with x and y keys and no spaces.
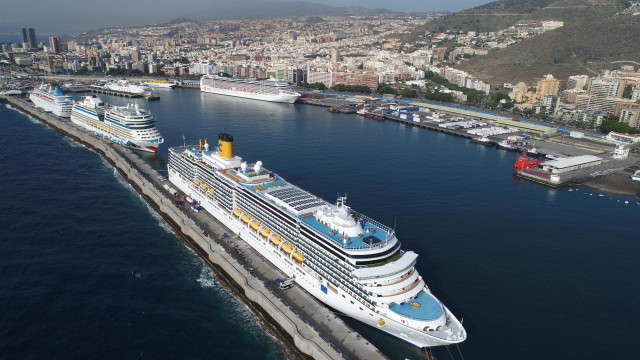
{"x":206,"y":278}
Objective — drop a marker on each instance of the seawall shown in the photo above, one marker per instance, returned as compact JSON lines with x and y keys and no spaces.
{"x":314,"y":333}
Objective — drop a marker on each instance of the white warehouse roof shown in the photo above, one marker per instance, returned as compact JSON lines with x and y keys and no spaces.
{"x":571,"y":161}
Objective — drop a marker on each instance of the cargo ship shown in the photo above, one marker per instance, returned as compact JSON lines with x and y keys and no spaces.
{"x":345,"y":259}
{"x":265,"y":90}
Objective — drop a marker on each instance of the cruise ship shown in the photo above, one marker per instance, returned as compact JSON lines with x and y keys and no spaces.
{"x":124,"y":86}
{"x":159,"y":84}
{"x":265,"y":90}
{"x":125,"y":125}
{"x":348,"y":261}
{"x":52,"y":100}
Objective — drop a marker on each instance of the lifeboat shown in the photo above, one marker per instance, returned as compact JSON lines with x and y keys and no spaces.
{"x":197,"y":181}
{"x":255,"y":224}
{"x":236,"y":211}
{"x":381,"y":323}
{"x":246,"y":218}
{"x":265,"y":232}
{"x":288,"y":248}
{"x":299,"y":257}
{"x":204,"y":185}
{"x":212,"y":192}
{"x":276,"y":239}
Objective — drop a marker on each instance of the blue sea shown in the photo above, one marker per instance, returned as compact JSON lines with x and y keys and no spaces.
{"x":88,"y":270}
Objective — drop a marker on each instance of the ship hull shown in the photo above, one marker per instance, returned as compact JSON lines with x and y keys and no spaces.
{"x":91,"y":122}
{"x":306,"y":278}
{"x":50,"y":106}
{"x":280,"y":98}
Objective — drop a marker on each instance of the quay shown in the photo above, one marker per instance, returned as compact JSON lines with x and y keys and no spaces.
{"x":302,"y":323}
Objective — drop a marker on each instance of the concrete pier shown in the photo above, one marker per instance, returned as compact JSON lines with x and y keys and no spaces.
{"x":299,"y":320}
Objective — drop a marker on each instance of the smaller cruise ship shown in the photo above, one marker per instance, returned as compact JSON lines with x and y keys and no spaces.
{"x":159,"y":84}
{"x":266,"y":90}
{"x":52,"y":100}
{"x":482,"y":140}
{"x":125,"y":125}
{"x":124,"y":86}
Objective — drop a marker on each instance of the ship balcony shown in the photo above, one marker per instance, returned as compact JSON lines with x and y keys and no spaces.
{"x":396,"y":287}
{"x":405,"y":293}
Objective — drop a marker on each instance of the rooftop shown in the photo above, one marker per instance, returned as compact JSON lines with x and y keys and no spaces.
{"x":373,"y":235}
{"x":571,"y":161}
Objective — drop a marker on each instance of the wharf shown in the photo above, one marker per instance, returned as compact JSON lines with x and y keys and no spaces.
{"x":147,"y":96}
{"x":298,"y":319}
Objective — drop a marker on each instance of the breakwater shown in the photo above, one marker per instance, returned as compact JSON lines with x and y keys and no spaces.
{"x":314,"y":332}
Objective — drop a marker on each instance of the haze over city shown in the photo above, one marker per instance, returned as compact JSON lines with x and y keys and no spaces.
{"x":70,"y":16}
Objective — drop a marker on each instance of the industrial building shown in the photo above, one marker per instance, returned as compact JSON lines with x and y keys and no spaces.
{"x":560,"y":166}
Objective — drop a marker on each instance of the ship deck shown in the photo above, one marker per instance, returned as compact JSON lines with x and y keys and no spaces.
{"x":428,"y":308}
{"x":372,"y":237}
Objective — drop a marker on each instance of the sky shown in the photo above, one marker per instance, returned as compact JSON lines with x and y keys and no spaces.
{"x":72,"y":16}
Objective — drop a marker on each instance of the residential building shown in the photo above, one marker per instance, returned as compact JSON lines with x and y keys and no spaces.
{"x":56,"y":44}
{"x":548,"y":86}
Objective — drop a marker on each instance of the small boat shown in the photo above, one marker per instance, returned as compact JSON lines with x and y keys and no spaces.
{"x":533,"y":151}
{"x":506,"y":145}
{"x":333,"y":109}
{"x":482,"y":140}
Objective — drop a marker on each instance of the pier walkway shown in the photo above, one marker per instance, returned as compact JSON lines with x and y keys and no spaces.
{"x":310,"y":327}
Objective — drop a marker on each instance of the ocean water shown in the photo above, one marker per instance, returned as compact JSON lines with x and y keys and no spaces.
{"x":534,"y":272}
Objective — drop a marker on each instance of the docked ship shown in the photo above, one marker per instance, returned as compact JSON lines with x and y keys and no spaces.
{"x":348,"y":261}
{"x":482,"y":140}
{"x":125,"y":125}
{"x":52,"y":100}
{"x":265,"y":90}
{"x":159,"y":84}
{"x":506,"y":145}
{"x":124,"y":86}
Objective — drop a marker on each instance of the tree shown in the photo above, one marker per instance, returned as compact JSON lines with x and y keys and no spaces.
{"x":386,"y":90}
{"x":628,"y":91}
{"x":408,"y":93}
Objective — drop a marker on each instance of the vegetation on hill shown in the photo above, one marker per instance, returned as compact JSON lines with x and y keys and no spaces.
{"x":584,"y":47}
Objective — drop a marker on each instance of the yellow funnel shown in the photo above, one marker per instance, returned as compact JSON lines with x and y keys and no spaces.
{"x":225,"y":145}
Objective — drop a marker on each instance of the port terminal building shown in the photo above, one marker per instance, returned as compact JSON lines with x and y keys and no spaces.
{"x":497,"y":119}
{"x":563,"y":165}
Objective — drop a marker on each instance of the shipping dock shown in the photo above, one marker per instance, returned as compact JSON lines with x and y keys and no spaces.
{"x":303,"y":324}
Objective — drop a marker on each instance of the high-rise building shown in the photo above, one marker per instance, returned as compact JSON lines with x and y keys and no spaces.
{"x":548,"y":86}
{"x":135,"y":55}
{"x":577,"y":82}
{"x":335,"y":55}
{"x":56,"y":44}
{"x":28,"y":38}
{"x":604,"y":88}
{"x":6,"y":48}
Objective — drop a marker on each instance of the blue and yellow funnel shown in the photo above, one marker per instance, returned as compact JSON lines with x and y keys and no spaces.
{"x":225,"y":145}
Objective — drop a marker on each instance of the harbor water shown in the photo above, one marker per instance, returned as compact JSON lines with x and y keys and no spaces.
{"x":89,"y":269}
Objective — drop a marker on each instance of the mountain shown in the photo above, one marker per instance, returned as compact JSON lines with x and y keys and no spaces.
{"x":582,"y":48}
{"x":595,"y":32}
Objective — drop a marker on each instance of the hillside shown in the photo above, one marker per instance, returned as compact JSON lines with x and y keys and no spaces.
{"x":584,"y":47}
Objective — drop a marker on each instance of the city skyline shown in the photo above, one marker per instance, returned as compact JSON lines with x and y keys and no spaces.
{"x":72,"y":16}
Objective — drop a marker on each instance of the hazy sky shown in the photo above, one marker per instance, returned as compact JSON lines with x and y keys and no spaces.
{"x":70,"y":16}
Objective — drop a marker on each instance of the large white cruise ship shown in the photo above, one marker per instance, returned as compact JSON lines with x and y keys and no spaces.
{"x":124,"y":86}
{"x":124,"y":125}
{"x":345,"y":259}
{"x":265,"y":90}
{"x":53,"y":101}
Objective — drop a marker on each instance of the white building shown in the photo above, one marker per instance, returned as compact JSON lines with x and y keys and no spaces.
{"x":560,"y":166}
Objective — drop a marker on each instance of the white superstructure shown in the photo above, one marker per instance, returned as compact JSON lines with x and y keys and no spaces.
{"x":345,"y":259}
{"x":159,"y":84}
{"x":124,"y":125}
{"x":53,"y":101}
{"x":265,"y":90}
{"x":124,"y":86}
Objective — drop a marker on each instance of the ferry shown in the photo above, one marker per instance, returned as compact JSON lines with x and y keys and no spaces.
{"x":52,"y":100}
{"x":265,"y":90}
{"x":159,"y":84}
{"x":345,"y":259}
{"x":124,"y":86}
{"x":125,"y":125}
